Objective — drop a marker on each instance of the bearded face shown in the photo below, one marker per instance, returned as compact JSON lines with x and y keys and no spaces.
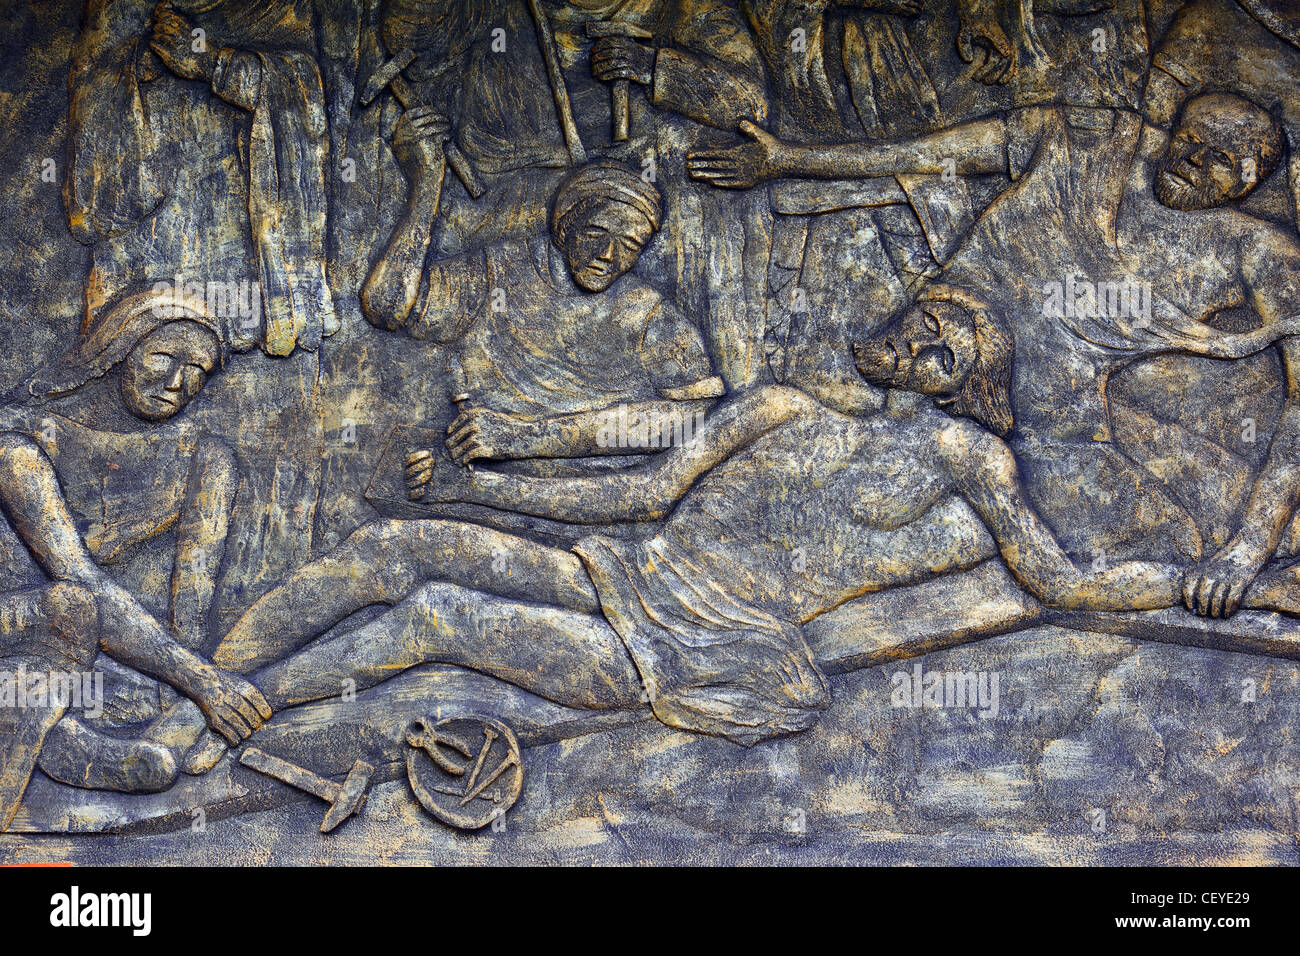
{"x":931,"y":349}
{"x":1208,"y":161}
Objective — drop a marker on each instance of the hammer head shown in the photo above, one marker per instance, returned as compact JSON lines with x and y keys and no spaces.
{"x":351,"y":796}
{"x":616,"y":28}
{"x":390,"y":71}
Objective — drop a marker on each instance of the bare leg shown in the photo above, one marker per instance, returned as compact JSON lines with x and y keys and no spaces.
{"x":638,"y":494}
{"x":382,"y":563}
{"x":201,"y":540}
{"x":571,"y":657}
{"x":80,"y":756}
{"x":52,"y":628}
{"x":30,"y":493}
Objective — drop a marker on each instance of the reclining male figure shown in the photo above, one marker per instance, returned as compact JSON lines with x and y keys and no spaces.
{"x":703,"y":615}
{"x":1102,"y":196}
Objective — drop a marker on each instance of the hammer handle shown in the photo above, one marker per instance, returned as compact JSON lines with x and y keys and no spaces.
{"x":621,"y":107}
{"x":286,"y":772}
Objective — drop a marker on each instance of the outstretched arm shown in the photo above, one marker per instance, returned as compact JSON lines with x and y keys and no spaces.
{"x":642,"y":494}
{"x":984,"y":471}
{"x":630,"y":429}
{"x":971,"y":148}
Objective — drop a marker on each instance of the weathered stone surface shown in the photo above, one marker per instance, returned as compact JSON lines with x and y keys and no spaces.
{"x":848,"y":432}
{"x":1145,"y":732}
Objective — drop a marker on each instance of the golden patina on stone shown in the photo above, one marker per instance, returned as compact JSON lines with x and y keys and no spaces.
{"x":650,"y":431}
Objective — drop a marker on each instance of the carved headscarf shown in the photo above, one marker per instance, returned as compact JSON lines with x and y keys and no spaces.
{"x":112,"y":336}
{"x":610,"y":181}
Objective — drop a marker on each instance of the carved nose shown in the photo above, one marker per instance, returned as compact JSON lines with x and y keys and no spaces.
{"x":177,"y":381}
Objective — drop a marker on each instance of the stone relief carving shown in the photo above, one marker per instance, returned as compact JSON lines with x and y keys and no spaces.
{"x":446,"y":410}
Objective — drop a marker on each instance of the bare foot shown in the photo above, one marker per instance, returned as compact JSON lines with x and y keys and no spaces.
{"x":204,"y":755}
{"x":81,"y":757}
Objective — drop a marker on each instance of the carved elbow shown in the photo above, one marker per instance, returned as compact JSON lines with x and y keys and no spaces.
{"x":378,"y":306}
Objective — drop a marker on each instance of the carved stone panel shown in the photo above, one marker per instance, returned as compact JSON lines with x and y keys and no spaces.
{"x":650,"y":431}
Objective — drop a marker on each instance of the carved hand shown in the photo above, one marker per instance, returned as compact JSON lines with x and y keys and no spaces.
{"x":174,"y":41}
{"x":432,"y":477}
{"x":984,"y":31}
{"x":743,"y":166}
{"x":417,"y":142}
{"x":482,"y":433}
{"x":233,"y":706}
{"x":622,"y":58}
{"x":1215,"y":587}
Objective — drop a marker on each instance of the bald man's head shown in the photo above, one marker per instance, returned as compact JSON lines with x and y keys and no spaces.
{"x":1222,"y":147}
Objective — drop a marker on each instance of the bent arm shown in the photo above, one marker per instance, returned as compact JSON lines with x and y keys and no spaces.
{"x":1277,"y":489}
{"x":391,"y":288}
{"x":1270,"y":279}
{"x":1271,"y":273}
{"x":985,"y":472}
{"x":649,"y":493}
{"x":201,"y":540}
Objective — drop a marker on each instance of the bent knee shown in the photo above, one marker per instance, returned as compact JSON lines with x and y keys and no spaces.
{"x":18,"y":451}
{"x":381,"y":534}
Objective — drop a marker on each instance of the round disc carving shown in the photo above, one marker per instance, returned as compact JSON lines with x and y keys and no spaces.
{"x":466,"y":770}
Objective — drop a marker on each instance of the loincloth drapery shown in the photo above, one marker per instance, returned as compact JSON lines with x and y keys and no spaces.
{"x":710,"y":663}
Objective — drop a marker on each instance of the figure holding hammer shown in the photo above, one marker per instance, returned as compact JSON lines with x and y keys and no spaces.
{"x":618,"y":58}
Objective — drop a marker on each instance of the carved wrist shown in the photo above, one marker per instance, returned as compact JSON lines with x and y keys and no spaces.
{"x":534,"y":439}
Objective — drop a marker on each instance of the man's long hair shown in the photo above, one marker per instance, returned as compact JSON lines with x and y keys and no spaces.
{"x":986,"y":395}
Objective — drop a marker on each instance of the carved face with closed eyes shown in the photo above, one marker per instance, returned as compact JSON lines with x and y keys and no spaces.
{"x":931,"y":349}
{"x":952,"y":346}
{"x":167,"y":368}
{"x":602,"y":241}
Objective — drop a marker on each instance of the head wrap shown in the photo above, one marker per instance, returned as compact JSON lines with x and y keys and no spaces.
{"x":112,"y":336}
{"x":610,"y":181}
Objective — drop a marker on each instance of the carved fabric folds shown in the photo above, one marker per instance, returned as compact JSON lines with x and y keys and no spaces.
{"x":123,"y":155}
{"x":709,"y":663}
